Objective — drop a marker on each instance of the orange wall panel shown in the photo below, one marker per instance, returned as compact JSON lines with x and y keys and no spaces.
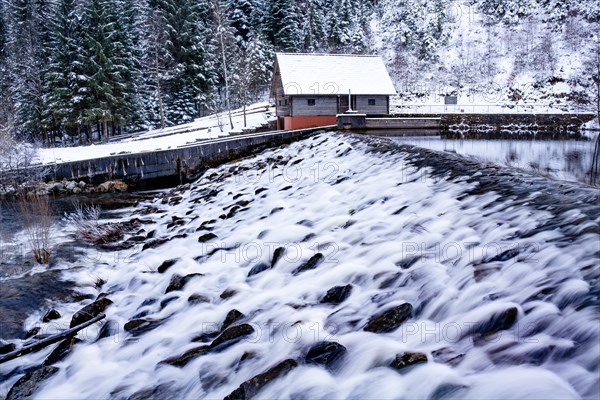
{"x":308,"y":122}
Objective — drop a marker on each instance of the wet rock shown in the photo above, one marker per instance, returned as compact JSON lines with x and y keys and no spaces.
{"x":175,"y":221}
{"x":259,"y":191}
{"x":154,"y":243}
{"x":447,"y":355}
{"x":185,"y":358}
{"x":51,"y":315}
{"x":504,"y":256}
{"x":167,"y":264}
{"x":251,"y":387}
{"x":312,"y":263}
{"x":496,"y":323}
{"x":389,"y":320}
{"x":6,"y":348}
{"x":257,"y":269}
{"x":138,"y":327}
{"x":167,"y":301}
{"x":408,"y":359}
{"x":198,"y":299}
{"x":327,"y":354}
{"x":205,"y":225}
{"x":178,"y":282}
{"x":407,"y":262}
{"x":109,"y":328}
{"x":227,"y":338}
{"x":228,"y":293}
{"x":32,"y":332}
{"x":160,"y":392}
{"x":337,"y":294}
{"x":231,"y":317}
{"x":61,"y":351}
{"x":112,"y":186}
{"x":277,"y":254}
{"x":90,"y":311}
{"x":448,"y":391}
{"x":207,"y":237}
{"x":26,"y":387}
{"x":391,"y":281}
{"x":230,"y":336}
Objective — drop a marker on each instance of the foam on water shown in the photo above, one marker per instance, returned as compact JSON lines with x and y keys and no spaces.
{"x":396,"y":235}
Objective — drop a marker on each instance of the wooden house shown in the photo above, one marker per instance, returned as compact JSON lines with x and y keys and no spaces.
{"x":311,"y":89}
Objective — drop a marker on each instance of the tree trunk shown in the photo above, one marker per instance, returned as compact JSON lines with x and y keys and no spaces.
{"x":79,"y":138}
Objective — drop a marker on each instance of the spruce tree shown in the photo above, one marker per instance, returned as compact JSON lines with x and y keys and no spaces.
{"x":191,"y":70}
{"x":313,"y":26}
{"x":282,"y":25}
{"x":61,"y":86}
{"x":27,"y":46}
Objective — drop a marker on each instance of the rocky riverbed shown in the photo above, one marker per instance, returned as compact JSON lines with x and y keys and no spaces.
{"x":335,"y":267}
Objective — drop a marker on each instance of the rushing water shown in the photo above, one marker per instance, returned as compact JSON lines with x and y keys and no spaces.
{"x":568,"y":160}
{"x":504,"y":289}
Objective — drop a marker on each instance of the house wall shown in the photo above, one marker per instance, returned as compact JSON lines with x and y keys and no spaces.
{"x":324,"y":105}
{"x":282,"y":102}
{"x":303,"y":122}
{"x":381,"y":105}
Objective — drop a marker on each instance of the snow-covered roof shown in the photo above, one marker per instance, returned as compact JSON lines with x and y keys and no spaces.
{"x":310,"y":74}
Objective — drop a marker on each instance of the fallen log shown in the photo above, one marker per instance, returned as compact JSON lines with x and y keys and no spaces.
{"x":32,"y":348}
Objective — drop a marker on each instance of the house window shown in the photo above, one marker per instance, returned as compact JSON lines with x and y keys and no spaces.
{"x":311,"y":102}
{"x":371,"y":102}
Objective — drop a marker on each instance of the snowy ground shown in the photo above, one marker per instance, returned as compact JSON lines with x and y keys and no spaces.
{"x":449,"y":243}
{"x":478,"y":104}
{"x":162,"y":139}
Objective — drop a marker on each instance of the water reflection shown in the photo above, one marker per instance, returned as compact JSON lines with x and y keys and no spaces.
{"x":558,"y":159}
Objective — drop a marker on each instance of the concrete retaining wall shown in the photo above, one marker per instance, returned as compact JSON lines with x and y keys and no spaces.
{"x":175,"y":165}
{"x":509,"y":126}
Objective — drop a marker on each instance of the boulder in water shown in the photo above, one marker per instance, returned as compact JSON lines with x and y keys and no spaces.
{"x":257,"y":269}
{"x":327,"y":354}
{"x":252,"y":386}
{"x":61,"y":351}
{"x":312,"y":263}
{"x":140,"y":326}
{"x":207,"y":237}
{"x":90,"y":311}
{"x":6,"y":348}
{"x":51,"y":315}
{"x":337,"y":294}
{"x":26,"y":387}
{"x":389,"y":320}
{"x":231,"y":317}
{"x":166,"y":265}
{"x":408,"y":359}
{"x":178,"y":282}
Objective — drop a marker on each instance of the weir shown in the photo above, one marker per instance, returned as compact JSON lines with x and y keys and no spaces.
{"x":174,"y":166}
{"x":470,"y":126}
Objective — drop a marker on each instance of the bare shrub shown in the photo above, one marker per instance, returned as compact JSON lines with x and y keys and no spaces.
{"x":19,"y":163}
{"x":36,"y":221}
{"x":88,"y":228}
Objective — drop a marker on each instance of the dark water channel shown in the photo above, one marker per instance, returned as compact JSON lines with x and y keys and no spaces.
{"x":26,"y":286}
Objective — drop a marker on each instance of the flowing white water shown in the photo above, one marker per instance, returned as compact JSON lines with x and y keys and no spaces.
{"x":395,"y":234}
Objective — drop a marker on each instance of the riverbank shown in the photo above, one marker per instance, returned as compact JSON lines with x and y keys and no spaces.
{"x":426,"y":277}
